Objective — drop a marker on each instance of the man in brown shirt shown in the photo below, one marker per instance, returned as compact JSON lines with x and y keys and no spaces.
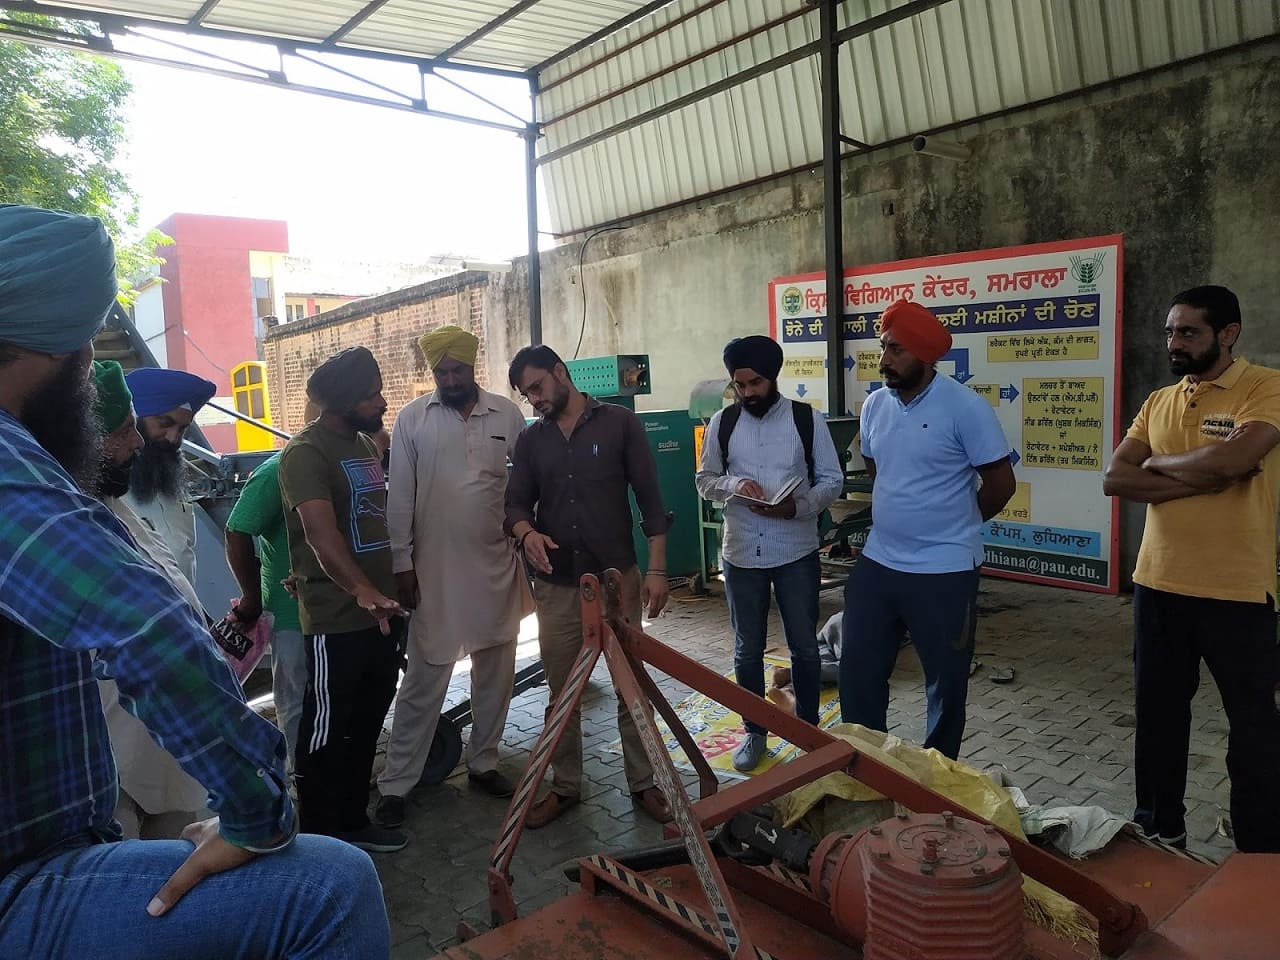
{"x":567,"y":506}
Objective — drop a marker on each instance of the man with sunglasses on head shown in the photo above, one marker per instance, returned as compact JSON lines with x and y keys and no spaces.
{"x":567,"y":507}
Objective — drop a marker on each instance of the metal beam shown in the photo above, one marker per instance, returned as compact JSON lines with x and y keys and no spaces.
{"x":206,"y":8}
{"x":486,"y":29}
{"x":619,"y":24}
{"x":364,"y":13}
{"x":904,"y":12}
{"x":832,"y":202}
{"x":531,"y":216}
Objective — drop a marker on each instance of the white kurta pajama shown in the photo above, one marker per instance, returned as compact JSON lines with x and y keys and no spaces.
{"x":448,"y":478}
{"x":151,"y":782}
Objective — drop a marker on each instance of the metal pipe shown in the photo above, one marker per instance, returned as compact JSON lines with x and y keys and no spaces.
{"x":832,"y":202}
{"x":213,"y":404}
{"x":946,"y":149}
{"x":531,"y":215}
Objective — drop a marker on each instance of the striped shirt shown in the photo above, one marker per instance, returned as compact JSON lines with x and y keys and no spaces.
{"x":77,"y":602}
{"x":769,"y":451}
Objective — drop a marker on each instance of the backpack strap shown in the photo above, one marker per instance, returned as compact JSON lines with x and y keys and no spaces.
{"x":802,"y":413}
{"x":728,"y":420}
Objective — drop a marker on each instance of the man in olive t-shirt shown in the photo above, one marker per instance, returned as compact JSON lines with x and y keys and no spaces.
{"x":333,"y":487}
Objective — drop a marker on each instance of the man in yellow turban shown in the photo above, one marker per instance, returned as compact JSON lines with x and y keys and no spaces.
{"x":454,"y":565}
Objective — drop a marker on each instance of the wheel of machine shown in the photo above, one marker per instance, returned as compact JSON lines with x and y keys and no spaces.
{"x":446,"y":751}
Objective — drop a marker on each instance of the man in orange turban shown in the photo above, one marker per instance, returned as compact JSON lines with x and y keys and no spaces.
{"x":927,"y":440}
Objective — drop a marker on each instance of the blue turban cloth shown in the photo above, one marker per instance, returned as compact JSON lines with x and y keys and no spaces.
{"x":57,"y":278}
{"x":156,"y":390}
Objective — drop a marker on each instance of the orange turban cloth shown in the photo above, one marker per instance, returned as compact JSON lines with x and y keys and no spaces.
{"x":917,"y":329}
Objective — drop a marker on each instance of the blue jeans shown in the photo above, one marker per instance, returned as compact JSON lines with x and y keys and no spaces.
{"x":795,"y":585}
{"x":320,"y":898}
{"x":940,"y":612}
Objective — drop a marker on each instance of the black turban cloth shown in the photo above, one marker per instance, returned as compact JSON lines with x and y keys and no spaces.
{"x":761,"y":354}
{"x":344,"y":381}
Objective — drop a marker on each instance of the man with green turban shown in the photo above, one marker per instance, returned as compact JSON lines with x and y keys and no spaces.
{"x":157,"y":799}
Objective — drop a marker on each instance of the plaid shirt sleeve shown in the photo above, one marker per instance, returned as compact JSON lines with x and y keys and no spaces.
{"x":70,"y":574}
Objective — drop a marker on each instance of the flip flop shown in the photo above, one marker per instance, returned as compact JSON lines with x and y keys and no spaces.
{"x":1002,"y":674}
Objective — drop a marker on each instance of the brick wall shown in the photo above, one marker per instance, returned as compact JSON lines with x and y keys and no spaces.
{"x":389,"y":326}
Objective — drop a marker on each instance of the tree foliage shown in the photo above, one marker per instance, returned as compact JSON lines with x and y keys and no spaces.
{"x":62,"y":128}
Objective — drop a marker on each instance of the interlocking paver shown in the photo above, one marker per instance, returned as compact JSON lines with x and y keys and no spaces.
{"x":1062,"y":731}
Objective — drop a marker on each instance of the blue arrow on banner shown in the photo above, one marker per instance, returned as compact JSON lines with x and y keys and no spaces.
{"x":960,"y":357}
{"x":873,"y":386}
{"x":1014,"y":458}
{"x":849,"y":363}
{"x":1009,"y":393}
{"x":801,"y":390}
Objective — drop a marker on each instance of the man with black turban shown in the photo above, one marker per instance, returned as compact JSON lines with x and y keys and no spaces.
{"x":776,"y":470}
{"x":77,"y":602}
{"x":335,"y":500}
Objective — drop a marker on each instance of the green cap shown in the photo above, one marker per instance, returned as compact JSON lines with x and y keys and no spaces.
{"x":115,"y":402}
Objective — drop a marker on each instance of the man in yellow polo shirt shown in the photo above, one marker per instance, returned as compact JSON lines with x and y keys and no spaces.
{"x":1203,"y":455}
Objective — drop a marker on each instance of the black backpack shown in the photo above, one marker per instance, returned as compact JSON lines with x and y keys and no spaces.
{"x":802,"y":413}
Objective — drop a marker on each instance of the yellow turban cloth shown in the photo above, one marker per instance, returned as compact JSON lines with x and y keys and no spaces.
{"x":449,"y":341}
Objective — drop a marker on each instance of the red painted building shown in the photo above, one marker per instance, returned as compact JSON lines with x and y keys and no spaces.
{"x":218,"y":286}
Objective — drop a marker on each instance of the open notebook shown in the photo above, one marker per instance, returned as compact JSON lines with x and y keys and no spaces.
{"x":784,"y":491}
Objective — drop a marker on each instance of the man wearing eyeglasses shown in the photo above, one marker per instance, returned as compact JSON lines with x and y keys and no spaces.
{"x":567,"y":507}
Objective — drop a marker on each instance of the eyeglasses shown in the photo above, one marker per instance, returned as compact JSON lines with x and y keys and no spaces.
{"x":534,"y":392}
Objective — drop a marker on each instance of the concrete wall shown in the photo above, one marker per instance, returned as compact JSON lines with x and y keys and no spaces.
{"x":1186,"y":165}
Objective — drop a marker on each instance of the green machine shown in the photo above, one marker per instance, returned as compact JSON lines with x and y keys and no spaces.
{"x":620,"y":379}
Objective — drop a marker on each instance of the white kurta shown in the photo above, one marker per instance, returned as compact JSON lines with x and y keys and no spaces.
{"x":445,"y":512}
{"x":147,"y":772}
{"x":174,"y":520}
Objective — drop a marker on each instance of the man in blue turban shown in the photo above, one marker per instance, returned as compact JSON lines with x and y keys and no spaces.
{"x":79,"y":603}
{"x":166,"y":402}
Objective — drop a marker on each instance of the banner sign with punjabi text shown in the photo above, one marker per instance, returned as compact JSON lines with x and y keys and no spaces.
{"x":1036,"y":332}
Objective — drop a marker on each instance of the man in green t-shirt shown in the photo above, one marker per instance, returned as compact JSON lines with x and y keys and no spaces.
{"x":259,"y":515}
{"x":334,"y":491}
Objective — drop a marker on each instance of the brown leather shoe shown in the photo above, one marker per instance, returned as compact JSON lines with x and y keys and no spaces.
{"x":653,"y":802}
{"x":549,"y":808}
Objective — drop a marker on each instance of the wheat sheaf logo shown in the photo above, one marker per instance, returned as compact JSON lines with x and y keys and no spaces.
{"x":1087,"y":271}
{"x":792,"y":300}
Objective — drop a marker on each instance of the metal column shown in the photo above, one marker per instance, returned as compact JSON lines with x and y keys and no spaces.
{"x":832,"y":212}
{"x":531,"y":206}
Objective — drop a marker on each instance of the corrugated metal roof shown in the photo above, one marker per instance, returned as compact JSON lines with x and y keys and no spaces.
{"x":635,"y":120}
{"x":960,"y":60}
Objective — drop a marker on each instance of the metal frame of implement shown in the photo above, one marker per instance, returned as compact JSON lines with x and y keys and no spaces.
{"x":627,"y":650}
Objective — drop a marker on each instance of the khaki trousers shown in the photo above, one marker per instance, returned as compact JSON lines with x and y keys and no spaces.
{"x":560,"y":640}
{"x":418,"y":705}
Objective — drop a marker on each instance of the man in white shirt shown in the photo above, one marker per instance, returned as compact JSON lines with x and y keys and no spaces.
{"x":769,"y":546}
{"x":454,"y":566}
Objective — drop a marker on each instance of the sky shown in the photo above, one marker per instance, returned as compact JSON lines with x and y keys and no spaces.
{"x":350,"y":179}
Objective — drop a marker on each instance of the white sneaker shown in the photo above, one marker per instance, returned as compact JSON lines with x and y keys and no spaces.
{"x":750,"y":752}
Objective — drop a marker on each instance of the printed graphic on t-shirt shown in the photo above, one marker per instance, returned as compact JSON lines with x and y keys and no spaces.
{"x":1217,"y":425}
{"x":368,"y":504}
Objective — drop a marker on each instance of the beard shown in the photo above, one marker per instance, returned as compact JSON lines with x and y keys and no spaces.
{"x":361,"y":424}
{"x":458,"y":397}
{"x":1182,"y":363}
{"x":554,"y":405}
{"x":114,"y":479}
{"x":61,"y":417}
{"x":157,"y":471}
{"x":908,"y":380}
{"x":759,"y":406}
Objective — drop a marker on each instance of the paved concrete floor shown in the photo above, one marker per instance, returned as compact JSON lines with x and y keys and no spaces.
{"x":1062,"y":730}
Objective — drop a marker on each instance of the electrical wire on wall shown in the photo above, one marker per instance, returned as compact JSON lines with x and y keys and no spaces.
{"x":583,"y":283}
